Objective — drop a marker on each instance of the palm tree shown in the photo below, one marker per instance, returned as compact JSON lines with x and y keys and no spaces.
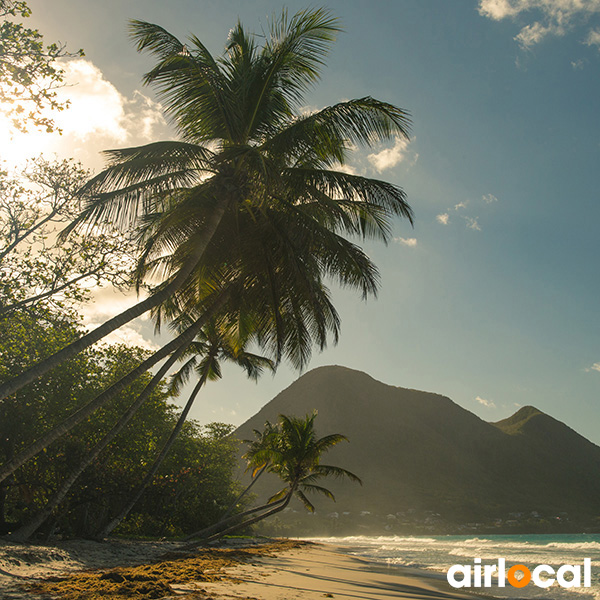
{"x":244,"y":144}
{"x":212,"y":346}
{"x":295,"y":454}
{"x":250,"y":196}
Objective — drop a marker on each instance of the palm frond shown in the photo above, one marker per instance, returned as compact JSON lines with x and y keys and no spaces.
{"x":307,"y":503}
{"x":317,"y":489}
{"x":325,"y":136}
{"x":182,"y":376}
{"x":279,"y":495}
{"x":337,"y":472}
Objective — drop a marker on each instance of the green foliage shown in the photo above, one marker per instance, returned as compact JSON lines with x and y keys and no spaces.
{"x":295,"y":457}
{"x":29,"y":73}
{"x":292,"y":451}
{"x":193,"y":484}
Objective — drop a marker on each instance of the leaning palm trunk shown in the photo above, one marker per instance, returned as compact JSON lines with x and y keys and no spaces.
{"x":15,"y":384}
{"x":246,"y":491}
{"x":280,"y":506}
{"x":84,"y":412}
{"x":106,"y":531}
{"x":231,"y":523}
{"x":25,"y":532}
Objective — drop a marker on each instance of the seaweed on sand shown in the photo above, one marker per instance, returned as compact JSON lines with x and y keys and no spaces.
{"x":155,"y":580}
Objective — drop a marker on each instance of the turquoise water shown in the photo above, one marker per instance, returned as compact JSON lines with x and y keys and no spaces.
{"x":438,"y":553}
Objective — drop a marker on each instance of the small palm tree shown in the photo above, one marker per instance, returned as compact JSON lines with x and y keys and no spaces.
{"x":258,"y":457}
{"x":296,"y":459}
{"x":293,"y":452}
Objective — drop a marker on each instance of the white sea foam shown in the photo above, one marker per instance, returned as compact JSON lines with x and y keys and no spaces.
{"x":439,"y":553}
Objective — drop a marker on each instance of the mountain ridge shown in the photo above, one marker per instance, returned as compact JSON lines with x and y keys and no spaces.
{"x":420,"y":451}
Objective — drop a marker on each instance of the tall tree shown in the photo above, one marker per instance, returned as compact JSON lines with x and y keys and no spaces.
{"x":246,"y":152}
{"x":36,"y":270}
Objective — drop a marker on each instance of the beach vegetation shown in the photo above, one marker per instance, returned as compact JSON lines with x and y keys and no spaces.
{"x":204,"y":357}
{"x":193,"y":486}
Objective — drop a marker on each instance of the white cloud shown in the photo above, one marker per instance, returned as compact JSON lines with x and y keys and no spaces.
{"x":410,"y":242}
{"x":96,"y":104}
{"x":473,"y":223}
{"x":533,"y":34}
{"x":390,"y":157}
{"x":145,"y":112}
{"x":550,"y":17}
{"x":308,"y":110}
{"x":593,"y":38}
{"x":594,"y":367}
{"x":97,"y":107}
{"x":578,"y":64}
{"x":484,"y":402}
{"x":498,"y":9}
{"x":106,"y":303}
{"x":129,"y":336}
{"x":489,"y":198}
{"x":347,"y":169}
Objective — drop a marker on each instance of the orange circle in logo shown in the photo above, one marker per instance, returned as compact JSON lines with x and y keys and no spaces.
{"x":518,"y":583}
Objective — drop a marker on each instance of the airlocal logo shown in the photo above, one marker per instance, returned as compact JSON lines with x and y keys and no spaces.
{"x":543,"y":576}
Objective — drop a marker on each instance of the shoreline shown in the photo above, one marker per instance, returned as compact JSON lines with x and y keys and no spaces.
{"x":322,"y":570}
{"x":276,"y":570}
{"x":429,"y":576}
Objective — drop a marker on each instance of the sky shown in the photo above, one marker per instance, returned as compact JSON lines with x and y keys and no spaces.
{"x":492,"y":298}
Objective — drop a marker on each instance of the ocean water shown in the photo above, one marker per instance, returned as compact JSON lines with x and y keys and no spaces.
{"x":437,"y":553}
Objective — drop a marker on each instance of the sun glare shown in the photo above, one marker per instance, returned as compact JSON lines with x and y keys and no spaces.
{"x":98,"y":117}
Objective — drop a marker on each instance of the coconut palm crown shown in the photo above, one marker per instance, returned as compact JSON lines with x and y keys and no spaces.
{"x":250,"y":154}
{"x":248,"y":215}
{"x":293,"y":451}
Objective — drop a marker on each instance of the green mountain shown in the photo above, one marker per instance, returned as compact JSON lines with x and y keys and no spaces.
{"x":427,"y":462}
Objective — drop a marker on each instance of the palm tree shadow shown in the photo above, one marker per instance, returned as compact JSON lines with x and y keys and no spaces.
{"x":381,"y":588}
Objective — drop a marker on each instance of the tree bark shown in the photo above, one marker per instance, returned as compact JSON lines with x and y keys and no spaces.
{"x":244,"y":524}
{"x":203,"y":533}
{"x":15,"y":384}
{"x":106,"y":531}
{"x":84,"y":412}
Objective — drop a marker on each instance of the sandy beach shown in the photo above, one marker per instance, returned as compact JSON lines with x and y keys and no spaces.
{"x":323,"y":572}
{"x":279,"y":570}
